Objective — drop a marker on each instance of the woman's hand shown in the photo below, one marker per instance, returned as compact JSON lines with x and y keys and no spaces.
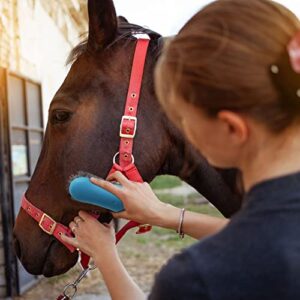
{"x":91,"y":237}
{"x":98,"y":241}
{"x":141,"y":204}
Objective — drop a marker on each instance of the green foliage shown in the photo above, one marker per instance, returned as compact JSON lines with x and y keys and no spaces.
{"x":165,"y":182}
{"x":188,"y":204}
{"x":206,"y":209}
{"x":176,"y":200}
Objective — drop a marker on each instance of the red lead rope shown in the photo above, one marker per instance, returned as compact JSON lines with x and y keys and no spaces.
{"x":126,"y":164}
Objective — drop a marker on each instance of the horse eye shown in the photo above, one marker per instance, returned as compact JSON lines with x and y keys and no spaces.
{"x":60,"y":116}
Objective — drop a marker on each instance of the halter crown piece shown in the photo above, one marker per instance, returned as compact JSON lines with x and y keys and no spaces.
{"x":286,"y":72}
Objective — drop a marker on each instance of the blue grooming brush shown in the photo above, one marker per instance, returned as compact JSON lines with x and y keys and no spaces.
{"x":83,"y":190}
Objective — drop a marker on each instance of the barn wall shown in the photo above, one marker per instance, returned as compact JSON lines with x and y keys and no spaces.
{"x":36,"y":37}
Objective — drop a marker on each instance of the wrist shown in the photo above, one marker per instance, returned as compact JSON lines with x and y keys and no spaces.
{"x":167,"y":216}
{"x":105,"y":254}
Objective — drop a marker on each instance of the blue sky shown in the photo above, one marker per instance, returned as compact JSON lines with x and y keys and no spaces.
{"x":168,"y":16}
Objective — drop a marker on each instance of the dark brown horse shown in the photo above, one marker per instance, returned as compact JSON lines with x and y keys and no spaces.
{"x":82,"y":134}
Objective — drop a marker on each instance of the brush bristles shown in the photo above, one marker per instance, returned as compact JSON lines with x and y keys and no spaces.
{"x":79,"y":174}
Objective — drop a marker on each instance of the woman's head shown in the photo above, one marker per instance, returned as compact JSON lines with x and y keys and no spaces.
{"x":220,"y":66}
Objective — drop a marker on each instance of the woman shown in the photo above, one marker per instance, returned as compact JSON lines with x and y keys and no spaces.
{"x":230,"y":80}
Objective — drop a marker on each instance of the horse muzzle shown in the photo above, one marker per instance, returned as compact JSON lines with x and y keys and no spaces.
{"x":39,"y":253}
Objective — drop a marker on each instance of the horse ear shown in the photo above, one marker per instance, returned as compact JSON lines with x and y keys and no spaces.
{"x":103,"y":23}
{"x":122,"y":19}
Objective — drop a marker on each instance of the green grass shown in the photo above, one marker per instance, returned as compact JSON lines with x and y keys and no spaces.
{"x":175,"y":200}
{"x":180,"y":201}
{"x":165,"y":238}
{"x":206,"y":209}
{"x":192,"y":197}
{"x":165,"y":182}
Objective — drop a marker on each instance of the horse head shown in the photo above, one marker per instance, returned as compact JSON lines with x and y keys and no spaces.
{"x":82,"y":132}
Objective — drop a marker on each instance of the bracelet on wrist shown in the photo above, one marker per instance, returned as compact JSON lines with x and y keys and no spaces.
{"x":180,"y":224}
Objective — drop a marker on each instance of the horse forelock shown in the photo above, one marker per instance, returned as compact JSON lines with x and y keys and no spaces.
{"x":125,"y":31}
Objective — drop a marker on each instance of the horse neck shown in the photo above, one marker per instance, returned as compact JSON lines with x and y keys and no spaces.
{"x":218,"y":186}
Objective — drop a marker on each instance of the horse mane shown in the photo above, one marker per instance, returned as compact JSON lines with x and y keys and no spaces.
{"x":126,"y":30}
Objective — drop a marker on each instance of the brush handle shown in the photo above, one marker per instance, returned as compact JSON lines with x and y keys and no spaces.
{"x":83,"y":190}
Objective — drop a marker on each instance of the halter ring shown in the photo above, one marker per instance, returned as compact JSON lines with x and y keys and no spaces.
{"x":116,"y":155}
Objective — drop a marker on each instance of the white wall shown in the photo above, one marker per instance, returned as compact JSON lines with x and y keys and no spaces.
{"x":293,"y":5}
{"x":43,"y":50}
{"x":168,"y":16}
{"x":164,"y":16}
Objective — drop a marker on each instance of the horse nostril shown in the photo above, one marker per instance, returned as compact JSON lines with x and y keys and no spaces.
{"x":17,"y":247}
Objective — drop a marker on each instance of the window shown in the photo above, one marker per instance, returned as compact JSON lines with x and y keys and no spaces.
{"x":25,"y":112}
{"x":23,"y":128}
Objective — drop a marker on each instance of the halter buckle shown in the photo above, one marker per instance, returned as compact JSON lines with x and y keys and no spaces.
{"x":128,"y":135}
{"x":51,"y":226}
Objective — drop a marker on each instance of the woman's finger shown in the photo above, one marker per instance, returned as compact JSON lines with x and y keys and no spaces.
{"x":69,"y":240}
{"x":73,"y":226}
{"x":85,"y":216}
{"x":120,"y":215}
{"x":107,"y":186}
{"x":119,"y":177}
{"x":78,"y":220}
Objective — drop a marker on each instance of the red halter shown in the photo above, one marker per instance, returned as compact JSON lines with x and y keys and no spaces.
{"x":128,"y":128}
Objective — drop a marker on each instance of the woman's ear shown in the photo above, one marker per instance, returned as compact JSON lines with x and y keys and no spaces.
{"x":103,"y":24}
{"x":235,"y":125}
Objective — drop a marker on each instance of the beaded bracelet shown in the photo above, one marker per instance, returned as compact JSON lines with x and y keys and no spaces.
{"x":180,"y":225}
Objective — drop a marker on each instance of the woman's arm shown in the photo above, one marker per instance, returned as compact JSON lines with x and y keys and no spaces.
{"x":142,"y":205}
{"x":194,"y":224}
{"x":119,"y":283}
{"x":101,"y":247}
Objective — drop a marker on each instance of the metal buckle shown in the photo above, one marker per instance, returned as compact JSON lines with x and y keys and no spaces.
{"x":130,"y":118}
{"x":50,"y":232}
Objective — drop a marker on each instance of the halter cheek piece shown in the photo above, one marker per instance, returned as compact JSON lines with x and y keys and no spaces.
{"x":128,"y":128}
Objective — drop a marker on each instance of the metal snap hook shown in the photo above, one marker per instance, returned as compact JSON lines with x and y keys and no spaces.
{"x":73,"y":290}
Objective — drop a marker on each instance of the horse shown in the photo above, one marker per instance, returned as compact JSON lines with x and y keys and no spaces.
{"x":82,"y":134}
